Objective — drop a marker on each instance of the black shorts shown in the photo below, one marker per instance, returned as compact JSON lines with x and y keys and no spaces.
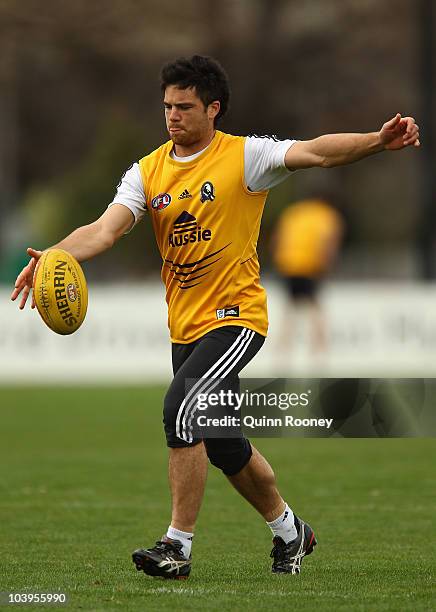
{"x":302,"y":287}
{"x":221,"y":353}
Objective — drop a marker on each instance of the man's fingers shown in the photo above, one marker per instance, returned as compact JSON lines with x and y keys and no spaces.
{"x":393,"y":122}
{"x":412,"y":133}
{"x":409,"y":123}
{"x":15,"y":293}
{"x":17,"y":288}
{"x":32,"y":265}
{"x":411,"y":130}
{"x":20,"y":277}
{"x":400,"y":132}
{"x":411,"y":139}
{"x":34,"y":253}
{"x":24,"y":280}
{"x":19,"y":284}
{"x":26,"y":291}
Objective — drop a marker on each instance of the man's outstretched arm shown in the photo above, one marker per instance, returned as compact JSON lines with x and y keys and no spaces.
{"x":84,"y":243}
{"x":339,"y":149}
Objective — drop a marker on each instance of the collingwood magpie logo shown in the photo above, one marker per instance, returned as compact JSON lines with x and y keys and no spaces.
{"x":207,"y":192}
{"x":186,"y":229}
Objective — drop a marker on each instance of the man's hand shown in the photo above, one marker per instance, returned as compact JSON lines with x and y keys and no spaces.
{"x":85,"y":242}
{"x":24,"y":280}
{"x":399,"y":132}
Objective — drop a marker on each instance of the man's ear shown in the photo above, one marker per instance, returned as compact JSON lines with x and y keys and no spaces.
{"x":213,"y":109}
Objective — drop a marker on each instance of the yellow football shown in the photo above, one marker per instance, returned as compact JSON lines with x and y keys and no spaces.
{"x":60,"y":291}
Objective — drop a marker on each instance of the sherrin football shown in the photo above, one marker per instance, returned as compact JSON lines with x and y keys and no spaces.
{"x":60,"y":291}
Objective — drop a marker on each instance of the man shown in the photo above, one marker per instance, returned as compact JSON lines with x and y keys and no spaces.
{"x":204,"y":191}
{"x":306,"y":242}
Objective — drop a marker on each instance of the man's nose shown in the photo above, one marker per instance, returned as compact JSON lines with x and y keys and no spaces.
{"x":174,"y":114}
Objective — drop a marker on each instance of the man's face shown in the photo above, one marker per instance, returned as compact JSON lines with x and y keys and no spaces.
{"x":187,"y":119}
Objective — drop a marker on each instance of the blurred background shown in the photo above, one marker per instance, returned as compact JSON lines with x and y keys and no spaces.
{"x":83,"y":480}
{"x":80,"y":101}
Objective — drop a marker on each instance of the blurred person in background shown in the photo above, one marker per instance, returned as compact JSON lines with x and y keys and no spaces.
{"x":204,"y":192}
{"x":306,"y":242}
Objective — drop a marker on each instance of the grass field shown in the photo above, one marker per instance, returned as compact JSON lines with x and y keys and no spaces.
{"x":83,"y":483}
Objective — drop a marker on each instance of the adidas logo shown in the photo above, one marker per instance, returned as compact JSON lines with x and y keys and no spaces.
{"x":185,"y":194}
{"x":186,"y":229}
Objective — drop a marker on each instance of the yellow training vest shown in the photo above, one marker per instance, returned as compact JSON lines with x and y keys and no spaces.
{"x":206,"y":224}
{"x":305,"y":234}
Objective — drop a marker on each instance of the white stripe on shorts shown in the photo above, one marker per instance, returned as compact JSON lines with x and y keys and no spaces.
{"x":220,"y":369}
{"x":208,"y":373}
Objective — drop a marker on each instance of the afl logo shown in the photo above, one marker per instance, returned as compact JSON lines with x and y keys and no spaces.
{"x":72,"y":292}
{"x":161,"y":201}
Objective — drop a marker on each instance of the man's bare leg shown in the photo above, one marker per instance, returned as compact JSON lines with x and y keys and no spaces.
{"x":293,"y":539}
{"x":171,"y":557}
{"x":257,"y":483}
{"x":187,"y":472}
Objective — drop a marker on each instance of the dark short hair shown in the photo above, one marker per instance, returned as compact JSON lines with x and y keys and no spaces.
{"x":205,"y":74}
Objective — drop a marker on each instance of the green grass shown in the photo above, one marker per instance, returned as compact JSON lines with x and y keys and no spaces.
{"x":83,"y":483}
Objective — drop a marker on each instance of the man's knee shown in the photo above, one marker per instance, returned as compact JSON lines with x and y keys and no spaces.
{"x":230,"y":455}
